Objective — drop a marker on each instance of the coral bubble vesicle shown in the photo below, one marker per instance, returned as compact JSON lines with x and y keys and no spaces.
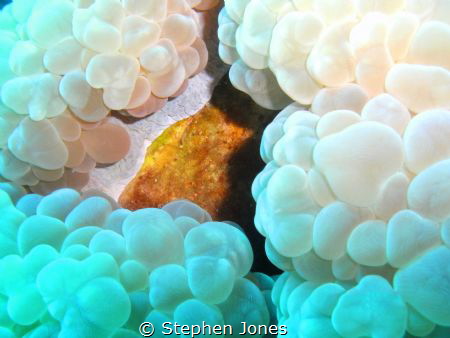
{"x":75,"y":265}
{"x":289,"y":50}
{"x":354,"y":203}
{"x":65,"y":65}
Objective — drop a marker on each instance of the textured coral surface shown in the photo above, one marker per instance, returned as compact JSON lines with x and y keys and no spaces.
{"x":283,"y":50}
{"x":360,"y":195}
{"x":353,"y":203}
{"x":210,"y":159}
{"x":371,"y":308}
{"x":354,"y":200}
{"x":66,"y":64}
{"x":75,"y":265}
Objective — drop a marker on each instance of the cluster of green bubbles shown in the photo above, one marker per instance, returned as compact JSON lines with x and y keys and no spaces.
{"x":76,"y":265}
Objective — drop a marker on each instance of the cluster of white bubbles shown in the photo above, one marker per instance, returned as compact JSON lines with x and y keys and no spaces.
{"x":361,"y":190}
{"x":76,"y":265}
{"x":294,"y":50}
{"x":65,"y":64}
{"x":354,"y":200}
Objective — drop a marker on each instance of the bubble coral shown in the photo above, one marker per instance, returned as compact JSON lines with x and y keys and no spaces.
{"x":353,"y":193}
{"x":78,"y":266}
{"x":370,"y":308}
{"x":64,"y":65}
{"x":283,"y":50}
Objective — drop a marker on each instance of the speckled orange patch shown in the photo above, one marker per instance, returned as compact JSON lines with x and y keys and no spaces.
{"x":210,"y":158}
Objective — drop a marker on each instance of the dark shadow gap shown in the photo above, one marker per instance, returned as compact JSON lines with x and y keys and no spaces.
{"x":239,"y":205}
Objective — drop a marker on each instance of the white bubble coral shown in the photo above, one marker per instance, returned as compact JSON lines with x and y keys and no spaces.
{"x":362,"y":191}
{"x":64,"y":65}
{"x":283,"y":50}
{"x":78,"y":266}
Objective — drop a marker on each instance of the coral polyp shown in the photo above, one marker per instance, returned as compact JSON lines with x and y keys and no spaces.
{"x":293,"y":50}
{"x":370,"y":308}
{"x":355,"y":193}
{"x":66,"y":64}
{"x":78,"y":266}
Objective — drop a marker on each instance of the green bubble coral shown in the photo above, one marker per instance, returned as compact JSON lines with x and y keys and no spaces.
{"x":371,"y":307}
{"x":78,"y":266}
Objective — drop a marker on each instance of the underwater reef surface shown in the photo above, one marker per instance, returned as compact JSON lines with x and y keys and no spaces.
{"x":354,"y":200}
{"x":65,"y":65}
{"x":353,"y":203}
{"x":76,"y":265}
{"x":356,"y":203}
{"x":282,"y":51}
{"x":369,"y":308}
{"x":211,"y":159}
{"x":112,"y":179}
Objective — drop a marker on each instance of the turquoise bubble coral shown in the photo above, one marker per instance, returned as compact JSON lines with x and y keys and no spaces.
{"x":369,"y":308}
{"x":78,"y":266}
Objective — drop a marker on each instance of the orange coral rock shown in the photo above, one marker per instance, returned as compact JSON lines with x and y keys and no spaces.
{"x":210,"y":158}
